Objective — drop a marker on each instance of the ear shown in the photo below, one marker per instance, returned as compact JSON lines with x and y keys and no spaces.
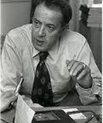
{"x":63,"y":28}
{"x":66,"y":26}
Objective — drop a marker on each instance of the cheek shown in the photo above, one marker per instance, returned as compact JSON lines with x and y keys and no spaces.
{"x":33,"y":33}
{"x":54,"y":37}
{"x":52,"y":40}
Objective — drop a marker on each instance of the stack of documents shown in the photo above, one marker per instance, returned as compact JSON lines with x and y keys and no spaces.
{"x":95,"y":17}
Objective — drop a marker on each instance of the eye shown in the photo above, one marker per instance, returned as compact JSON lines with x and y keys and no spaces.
{"x":36,"y":23}
{"x":51,"y":27}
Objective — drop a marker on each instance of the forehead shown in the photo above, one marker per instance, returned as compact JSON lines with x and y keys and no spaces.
{"x":50,"y":15}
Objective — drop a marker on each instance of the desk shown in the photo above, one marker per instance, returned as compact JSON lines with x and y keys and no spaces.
{"x":8,"y":116}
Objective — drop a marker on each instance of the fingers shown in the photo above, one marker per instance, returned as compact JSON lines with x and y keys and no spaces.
{"x":70,"y":64}
{"x":83,"y":73}
{"x":77,"y":69}
{"x":80,"y":73}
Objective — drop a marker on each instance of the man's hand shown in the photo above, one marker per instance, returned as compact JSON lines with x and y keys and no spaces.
{"x":80,"y":73}
{"x":7,"y":98}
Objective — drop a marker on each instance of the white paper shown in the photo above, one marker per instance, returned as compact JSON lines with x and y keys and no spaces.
{"x":75,"y":116}
{"x":24,"y":114}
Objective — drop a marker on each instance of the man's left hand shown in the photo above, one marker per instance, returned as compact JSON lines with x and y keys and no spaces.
{"x":80,"y":73}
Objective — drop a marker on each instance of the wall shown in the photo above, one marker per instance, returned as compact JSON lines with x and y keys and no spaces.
{"x":74,"y":22}
{"x":94,"y":38}
{"x":96,"y":45}
{"x":14,"y":13}
{"x":93,"y":33}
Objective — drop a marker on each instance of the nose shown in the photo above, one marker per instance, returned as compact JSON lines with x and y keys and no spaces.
{"x":42,"y":31}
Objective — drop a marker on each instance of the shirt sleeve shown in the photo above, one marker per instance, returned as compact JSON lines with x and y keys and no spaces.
{"x":89,"y":95}
{"x":11,"y":71}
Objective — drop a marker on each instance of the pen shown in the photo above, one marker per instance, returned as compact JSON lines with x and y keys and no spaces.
{"x":18,"y":86}
{"x":17,"y":91}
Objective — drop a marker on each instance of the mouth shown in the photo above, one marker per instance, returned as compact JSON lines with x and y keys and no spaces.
{"x":39,"y":42}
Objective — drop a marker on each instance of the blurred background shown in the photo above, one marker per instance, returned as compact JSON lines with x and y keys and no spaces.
{"x":87,"y":20}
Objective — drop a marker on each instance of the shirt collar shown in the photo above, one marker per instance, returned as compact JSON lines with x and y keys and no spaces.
{"x":34,"y":52}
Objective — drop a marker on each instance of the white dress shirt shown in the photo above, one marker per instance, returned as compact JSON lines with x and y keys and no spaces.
{"x":20,"y":58}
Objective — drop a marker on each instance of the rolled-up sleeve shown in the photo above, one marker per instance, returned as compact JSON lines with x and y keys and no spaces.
{"x":90,"y":95}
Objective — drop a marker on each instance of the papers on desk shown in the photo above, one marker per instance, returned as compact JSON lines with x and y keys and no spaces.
{"x":75,"y":116}
{"x":25,"y":114}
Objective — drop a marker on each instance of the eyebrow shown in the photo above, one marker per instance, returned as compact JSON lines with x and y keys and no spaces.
{"x":46,"y":24}
{"x":36,"y":19}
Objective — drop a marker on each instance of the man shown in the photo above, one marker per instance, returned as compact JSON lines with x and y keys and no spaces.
{"x":70,"y":62}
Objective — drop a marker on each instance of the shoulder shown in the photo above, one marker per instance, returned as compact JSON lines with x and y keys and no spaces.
{"x":18,"y":35}
{"x":73,"y":40}
{"x":19,"y":31}
{"x":72,"y":37}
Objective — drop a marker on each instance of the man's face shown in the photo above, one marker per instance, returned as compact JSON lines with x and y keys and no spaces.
{"x":46,"y":28}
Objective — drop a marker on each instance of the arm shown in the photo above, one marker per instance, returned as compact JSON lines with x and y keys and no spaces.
{"x":11,"y":72}
{"x":88,"y":78}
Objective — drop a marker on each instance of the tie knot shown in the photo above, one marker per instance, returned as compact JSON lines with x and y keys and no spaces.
{"x":43,"y":55}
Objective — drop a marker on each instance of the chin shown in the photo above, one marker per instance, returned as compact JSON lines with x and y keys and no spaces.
{"x":41,"y":48}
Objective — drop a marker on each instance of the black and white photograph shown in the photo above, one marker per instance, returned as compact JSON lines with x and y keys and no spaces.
{"x":51,"y":61}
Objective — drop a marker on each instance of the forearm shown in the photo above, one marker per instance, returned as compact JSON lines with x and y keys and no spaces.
{"x":90,"y":95}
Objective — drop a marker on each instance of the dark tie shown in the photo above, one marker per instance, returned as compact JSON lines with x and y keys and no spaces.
{"x":42,"y":90}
